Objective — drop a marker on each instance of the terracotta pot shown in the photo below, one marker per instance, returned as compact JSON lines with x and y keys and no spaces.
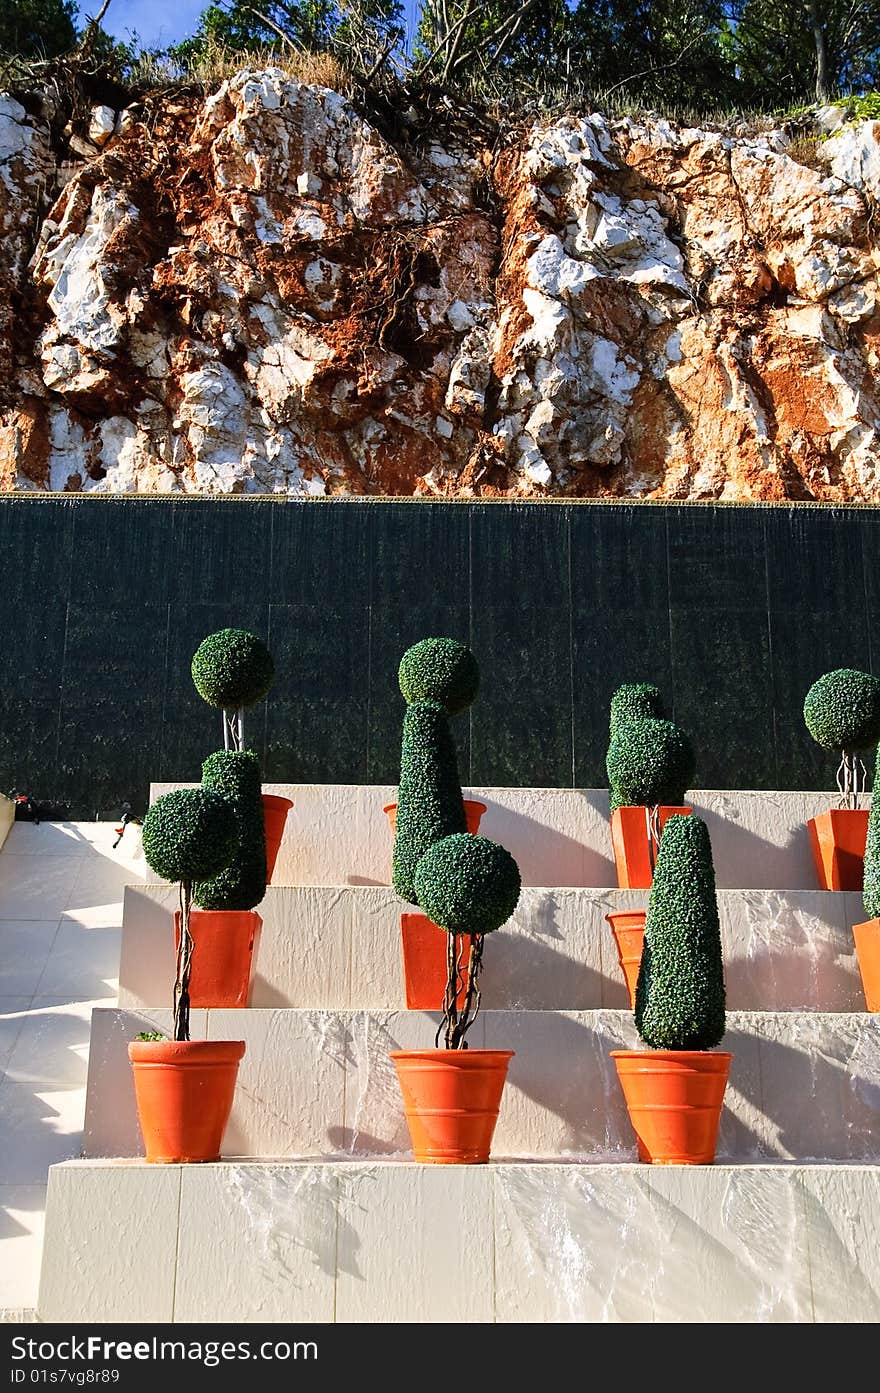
{"x":275,"y":810}
{"x":473,"y":811}
{"x":628,"y":927}
{"x":184,"y":1093}
{"x":629,"y":838}
{"x":451,"y":1099}
{"x":674,"y":1100}
{"x":867,"y":939}
{"x":838,"y":841}
{"x":424,"y":962}
{"x":223,"y":951}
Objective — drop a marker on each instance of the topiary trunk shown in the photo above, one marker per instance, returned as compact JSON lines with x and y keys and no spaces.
{"x":680,"y":992}
{"x":429,"y":800}
{"x":871,"y":891}
{"x":235,"y":776}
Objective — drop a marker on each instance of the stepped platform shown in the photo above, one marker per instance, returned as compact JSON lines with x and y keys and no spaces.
{"x":507,"y":1242}
{"x":320,"y":1083}
{"x":338,"y":947}
{"x":337,"y":834}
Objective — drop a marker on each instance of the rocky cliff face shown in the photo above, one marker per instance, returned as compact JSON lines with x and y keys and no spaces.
{"x":256,"y":292}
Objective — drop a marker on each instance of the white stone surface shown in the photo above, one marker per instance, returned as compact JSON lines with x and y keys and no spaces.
{"x":337,"y":834}
{"x":60,"y":919}
{"x":320,"y":1083}
{"x":387,"y":1242}
{"x":339,"y":946}
{"x":131,"y":1224}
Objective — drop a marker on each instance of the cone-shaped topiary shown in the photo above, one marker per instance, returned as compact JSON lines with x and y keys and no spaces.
{"x":232,"y":669}
{"x":189,"y":834}
{"x":442,"y":670}
{"x":650,"y":762}
{"x":871,"y":890}
{"x":437,"y":676}
{"x":235,"y":776}
{"x":429,"y":801}
{"x":842,"y":710}
{"x":467,"y":885}
{"x":634,"y":701}
{"x":680,"y":992}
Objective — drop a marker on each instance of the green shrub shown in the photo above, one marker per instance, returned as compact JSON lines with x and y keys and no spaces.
{"x":232,"y":669}
{"x":842,"y":710}
{"x":871,"y":890}
{"x":467,"y":884}
{"x":429,"y":801}
{"x":680,"y":992}
{"x":634,"y":701}
{"x":235,"y":776}
{"x":441,"y":670}
{"x":189,"y":834}
{"x":650,"y":762}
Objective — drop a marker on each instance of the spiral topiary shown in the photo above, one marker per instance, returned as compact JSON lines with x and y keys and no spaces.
{"x":437,"y":676}
{"x":467,"y":885}
{"x":235,"y":776}
{"x":650,"y":762}
{"x":189,"y":834}
{"x":232,"y":669}
{"x":680,"y":997}
{"x":441,"y":670}
{"x":871,"y":884}
{"x":634,"y":701}
{"x":842,"y":710}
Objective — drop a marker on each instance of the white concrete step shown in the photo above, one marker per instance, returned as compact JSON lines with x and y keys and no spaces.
{"x":339,"y":947}
{"x":337,"y":834}
{"x":320,"y":1083}
{"x":390,"y":1242}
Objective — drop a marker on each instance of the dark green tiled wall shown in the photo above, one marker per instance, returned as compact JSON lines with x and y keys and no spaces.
{"x":733,"y":611}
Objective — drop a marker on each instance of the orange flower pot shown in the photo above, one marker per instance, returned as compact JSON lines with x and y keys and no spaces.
{"x":838,"y":841}
{"x":451,"y":1099}
{"x":628,"y":927}
{"x":674,"y":1099}
{"x":223,"y":952}
{"x":867,"y":940}
{"x":184,"y":1092}
{"x":629,"y":838}
{"x":275,"y":810}
{"x":473,"y":812}
{"x":424,"y":962}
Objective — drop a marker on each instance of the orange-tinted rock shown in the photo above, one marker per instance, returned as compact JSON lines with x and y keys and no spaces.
{"x":256,"y":292}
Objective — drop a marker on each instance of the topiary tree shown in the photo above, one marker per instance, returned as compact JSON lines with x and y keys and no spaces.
{"x":871,"y":883}
{"x":680,"y":995}
{"x":468,"y":886}
{"x":842,"y":712}
{"x":650,"y":762}
{"x":188,"y":835}
{"x":234,"y":775}
{"x":634,"y":701}
{"x":232,"y":669}
{"x":438,"y":677}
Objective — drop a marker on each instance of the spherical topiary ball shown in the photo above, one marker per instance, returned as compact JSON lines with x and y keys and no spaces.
{"x":467,"y":884}
{"x":232,"y":669}
{"x":650,"y":762}
{"x":439,"y":669}
{"x":189,"y":834}
{"x":634,"y":701}
{"x":842,"y":710}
